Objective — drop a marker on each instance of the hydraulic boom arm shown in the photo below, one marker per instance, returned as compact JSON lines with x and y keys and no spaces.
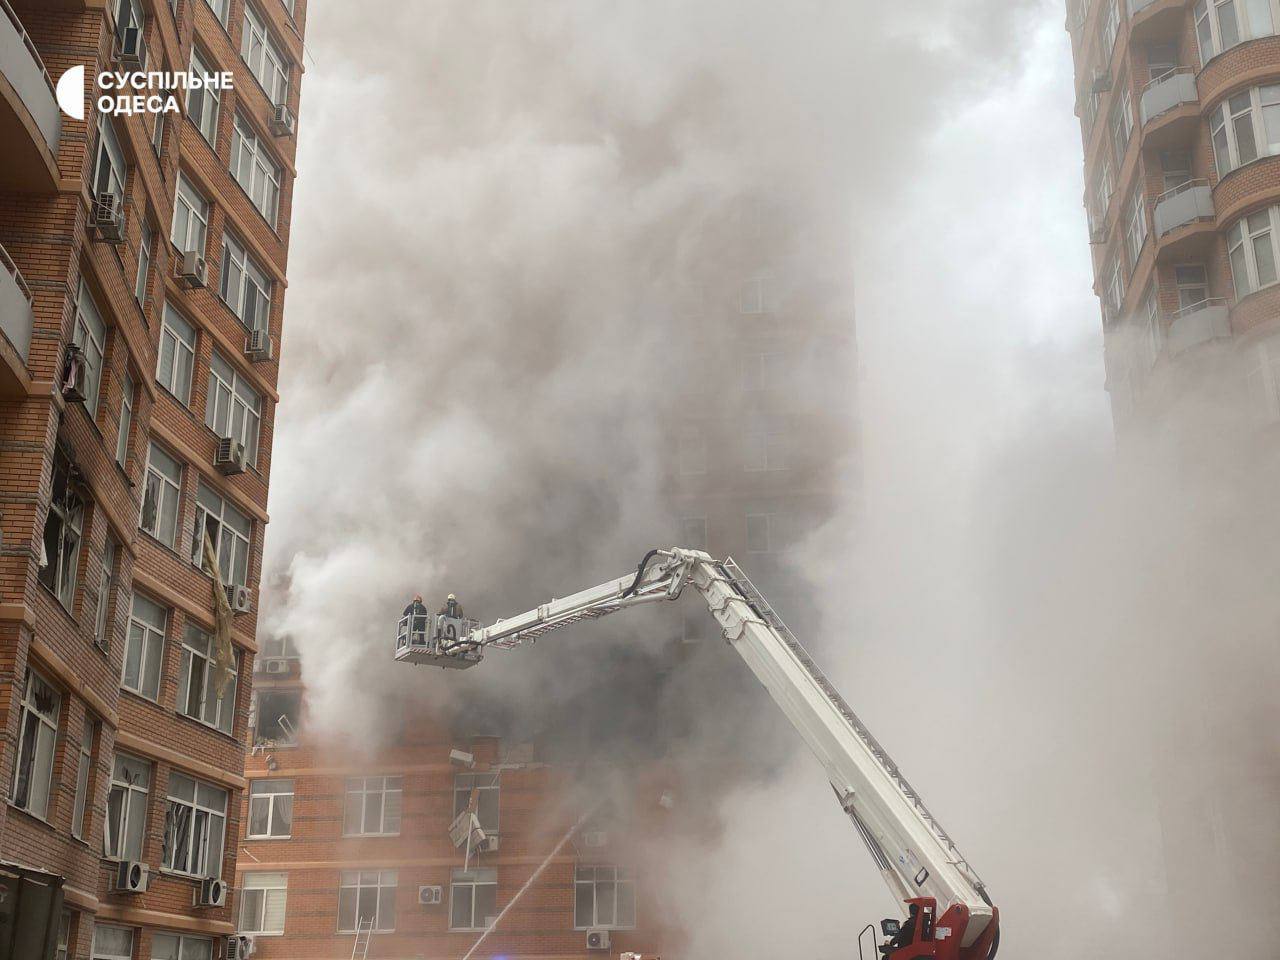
{"x":949,"y":914}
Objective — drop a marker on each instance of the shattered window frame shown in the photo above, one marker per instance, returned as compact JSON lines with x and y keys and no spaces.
{"x":489,"y":788}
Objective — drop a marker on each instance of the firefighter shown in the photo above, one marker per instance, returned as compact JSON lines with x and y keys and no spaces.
{"x":417,"y":610}
{"x":452,"y":608}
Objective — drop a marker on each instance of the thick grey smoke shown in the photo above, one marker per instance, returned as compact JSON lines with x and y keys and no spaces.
{"x":1053,"y":642}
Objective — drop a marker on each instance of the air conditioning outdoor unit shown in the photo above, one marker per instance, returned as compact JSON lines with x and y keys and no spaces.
{"x":132,"y":876}
{"x":283,"y":122}
{"x":430,"y":896}
{"x":240,"y":947}
{"x":489,"y":844}
{"x":108,"y":217}
{"x":239,"y":598}
{"x":75,"y":382}
{"x":595,"y":838}
{"x":230,"y":457}
{"x":192,"y":270}
{"x":1101,"y":81}
{"x":597,"y":939}
{"x":211,"y":893}
{"x":258,"y":346}
{"x":275,"y":665}
{"x":460,"y":758}
{"x":129,"y":53}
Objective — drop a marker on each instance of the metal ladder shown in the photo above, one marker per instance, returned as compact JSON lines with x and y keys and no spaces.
{"x":761,"y":606}
{"x":364,"y":936}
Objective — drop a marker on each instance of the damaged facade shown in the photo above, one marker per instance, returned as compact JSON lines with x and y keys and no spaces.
{"x":142,"y":263}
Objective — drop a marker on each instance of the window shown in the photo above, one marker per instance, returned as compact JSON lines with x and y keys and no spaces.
{"x":1162,"y":61}
{"x":109,"y":167}
{"x":157,"y":132}
{"x":1193,"y":285}
{"x":62,"y":946}
{"x":229,"y":531}
{"x":270,"y":808}
{"x":1153,"y":341}
{"x":177,"y":355}
{"x":198,"y":694}
{"x":232,"y":407}
{"x":1176,"y":168}
{"x":262,"y":902}
{"x":263,"y":56}
{"x":91,"y":337}
{"x":194,"y":825}
{"x":692,"y":450}
{"x":1262,"y":379}
{"x":160,"y":497}
{"x":473,"y":899}
{"x":37,"y":738}
{"x":1121,"y":125}
{"x":173,"y":946}
{"x":275,"y":716}
{"x":129,"y":16}
{"x":604,"y":897}
{"x":761,"y":532}
{"x":764,"y":449}
{"x":112,"y":943}
{"x":365,"y":895}
{"x":485,"y":786}
{"x":126,"y":419}
{"x":1102,"y":191}
{"x":126,"y":808}
{"x":220,"y":8}
{"x":1221,"y":24}
{"x":190,"y":218}
{"x":204,"y":103}
{"x":278,"y":646}
{"x":1251,"y":251}
{"x":63,"y":526}
{"x":1113,"y":290}
{"x":106,"y":584}
{"x":373,"y":806}
{"x":83,"y":767}
{"x":693,"y":533}
{"x":144,"y":648}
{"x":757,"y":296}
{"x":1135,"y":231}
{"x":255,"y":169}
{"x":1246,"y":127}
{"x":246,"y":288}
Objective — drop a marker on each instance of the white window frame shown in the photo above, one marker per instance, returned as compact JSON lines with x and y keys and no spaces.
{"x":221,"y":9}
{"x":232,"y":407}
{"x":591,"y":876}
{"x":1102,"y":192}
{"x":1113,"y":289}
{"x":256,"y":169}
{"x":141,"y":282}
{"x":197,"y":666}
{"x":1153,"y":328}
{"x":1122,"y":125}
{"x":110,"y":170}
{"x":1257,"y":111}
{"x":62,"y":562}
{"x":351,"y":883}
{"x":202,"y":860}
{"x":232,"y":544}
{"x":145,"y":644}
{"x":1135,"y":231}
{"x":127,"y":388}
{"x":162,"y":496}
{"x":1109,"y":29}
{"x":91,"y":337}
{"x":272,"y":889}
{"x":190,"y":230}
{"x":265,"y":793}
{"x":106,"y":586}
{"x":489,"y":789}
{"x":757,"y":296}
{"x":38,"y":717}
{"x":390,"y":791}
{"x":123,"y":838}
{"x":176,"y":358}
{"x":179,"y":947}
{"x":1245,"y":239}
{"x":1212,"y":40}
{"x":765,"y":449}
{"x":1186,"y":283}
{"x":84,"y":766}
{"x":204,"y":105}
{"x":471,"y":881}
{"x":263,"y":56}
{"x":770,"y":521}
{"x":245,"y":286}
{"x":101,"y":952}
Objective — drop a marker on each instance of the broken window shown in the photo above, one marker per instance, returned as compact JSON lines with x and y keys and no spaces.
{"x":63,"y":527}
{"x":194,"y":826}
{"x":366,"y":895}
{"x":485,"y":787}
{"x":373,"y":806}
{"x":126,"y":808}
{"x":160,"y":497}
{"x":604,"y":896}
{"x":198,"y":683}
{"x":229,"y":531}
{"x":277,"y":714}
{"x":38,"y":734}
{"x":106,"y":581}
{"x":473,"y":899}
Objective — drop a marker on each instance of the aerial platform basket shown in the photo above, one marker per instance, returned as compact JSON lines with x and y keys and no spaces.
{"x":423,"y":637}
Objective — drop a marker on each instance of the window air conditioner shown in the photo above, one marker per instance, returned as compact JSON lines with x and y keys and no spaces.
{"x":1101,"y":81}
{"x":258,"y":346}
{"x":229,"y":457}
{"x":597,"y":939}
{"x":283,"y":122}
{"x":75,"y":380}
{"x":132,"y":876}
{"x":489,"y":844}
{"x":240,"y":947}
{"x":211,"y":893}
{"x":108,"y":217}
{"x":192,"y":270}
{"x":129,"y":53}
{"x":430,"y":896}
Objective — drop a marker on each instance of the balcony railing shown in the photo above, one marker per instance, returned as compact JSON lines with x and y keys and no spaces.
{"x":24,"y":69}
{"x":16,"y":316}
{"x":1137,"y":6}
{"x":1183,"y":204}
{"x":1199,"y":323}
{"x":1170,"y":91}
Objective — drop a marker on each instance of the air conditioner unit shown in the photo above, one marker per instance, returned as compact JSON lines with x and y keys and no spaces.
{"x":598,"y":940}
{"x":460,"y":758}
{"x":275,"y":665}
{"x":75,"y":380}
{"x":595,"y":838}
{"x":211,"y":893}
{"x":239,"y":598}
{"x":192,"y":270}
{"x":229,"y":457}
{"x":108,"y":217}
{"x":240,"y":947}
{"x":1101,"y":81}
{"x":129,"y":53}
{"x":283,"y":122}
{"x":430,"y":896}
{"x":258,"y":346}
{"x":132,"y":876}
{"x":489,"y":844}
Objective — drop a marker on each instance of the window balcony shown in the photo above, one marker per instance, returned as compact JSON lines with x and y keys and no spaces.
{"x":1184,"y":221}
{"x":16,"y":319}
{"x":30,"y":122}
{"x":1154,"y":20}
{"x":1199,"y":323}
{"x":1170,"y":110}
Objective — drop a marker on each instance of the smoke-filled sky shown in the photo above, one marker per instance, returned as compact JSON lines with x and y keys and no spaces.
{"x":494,"y":202}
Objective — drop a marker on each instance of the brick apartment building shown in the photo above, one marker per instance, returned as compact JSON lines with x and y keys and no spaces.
{"x":143,"y":271}
{"x":1179,"y":103}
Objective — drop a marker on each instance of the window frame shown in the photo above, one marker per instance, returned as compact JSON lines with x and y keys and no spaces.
{"x":180,"y":941}
{"x":142,"y":282}
{"x":199,"y":858}
{"x":242,"y":402}
{"x":150,"y":646}
{"x":90,"y":331}
{"x":182,"y":354}
{"x":472,"y":880}
{"x":623,"y":877}
{"x":197,"y":207}
{"x":253,"y":285}
{"x":384,"y":792}
{"x":99,"y":953}
{"x":61,"y":572}
{"x":1207,"y":25}
{"x":102,"y":619}
{"x":1247,"y":244}
{"x":208,"y":96}
{"x":84,"y":767}
{"x":224,"y":707}
{"x":134,"y":801}
{"x":1135,"y":229}
{"x":260,"y":929}
{"x":273,"y":70}
{"x":493,"y":788}
{"x":239,"y":544}
{"x":41,"y":750}
{"x":128,"y":390}
{"x":270,"y":797}
{"x":169,"y":493}
{"x":254,"y":165}
{"x":360,"y":884}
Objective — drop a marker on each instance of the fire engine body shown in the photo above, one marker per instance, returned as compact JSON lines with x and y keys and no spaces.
{"x":949,"y":915}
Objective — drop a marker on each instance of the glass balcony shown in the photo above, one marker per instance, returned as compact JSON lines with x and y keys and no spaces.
{"x":30,"y":122}
{"x":1198,"y":323}
{"x":1183,"y":204}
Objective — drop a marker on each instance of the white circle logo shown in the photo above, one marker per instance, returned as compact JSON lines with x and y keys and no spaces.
{"x":71,"y":92}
